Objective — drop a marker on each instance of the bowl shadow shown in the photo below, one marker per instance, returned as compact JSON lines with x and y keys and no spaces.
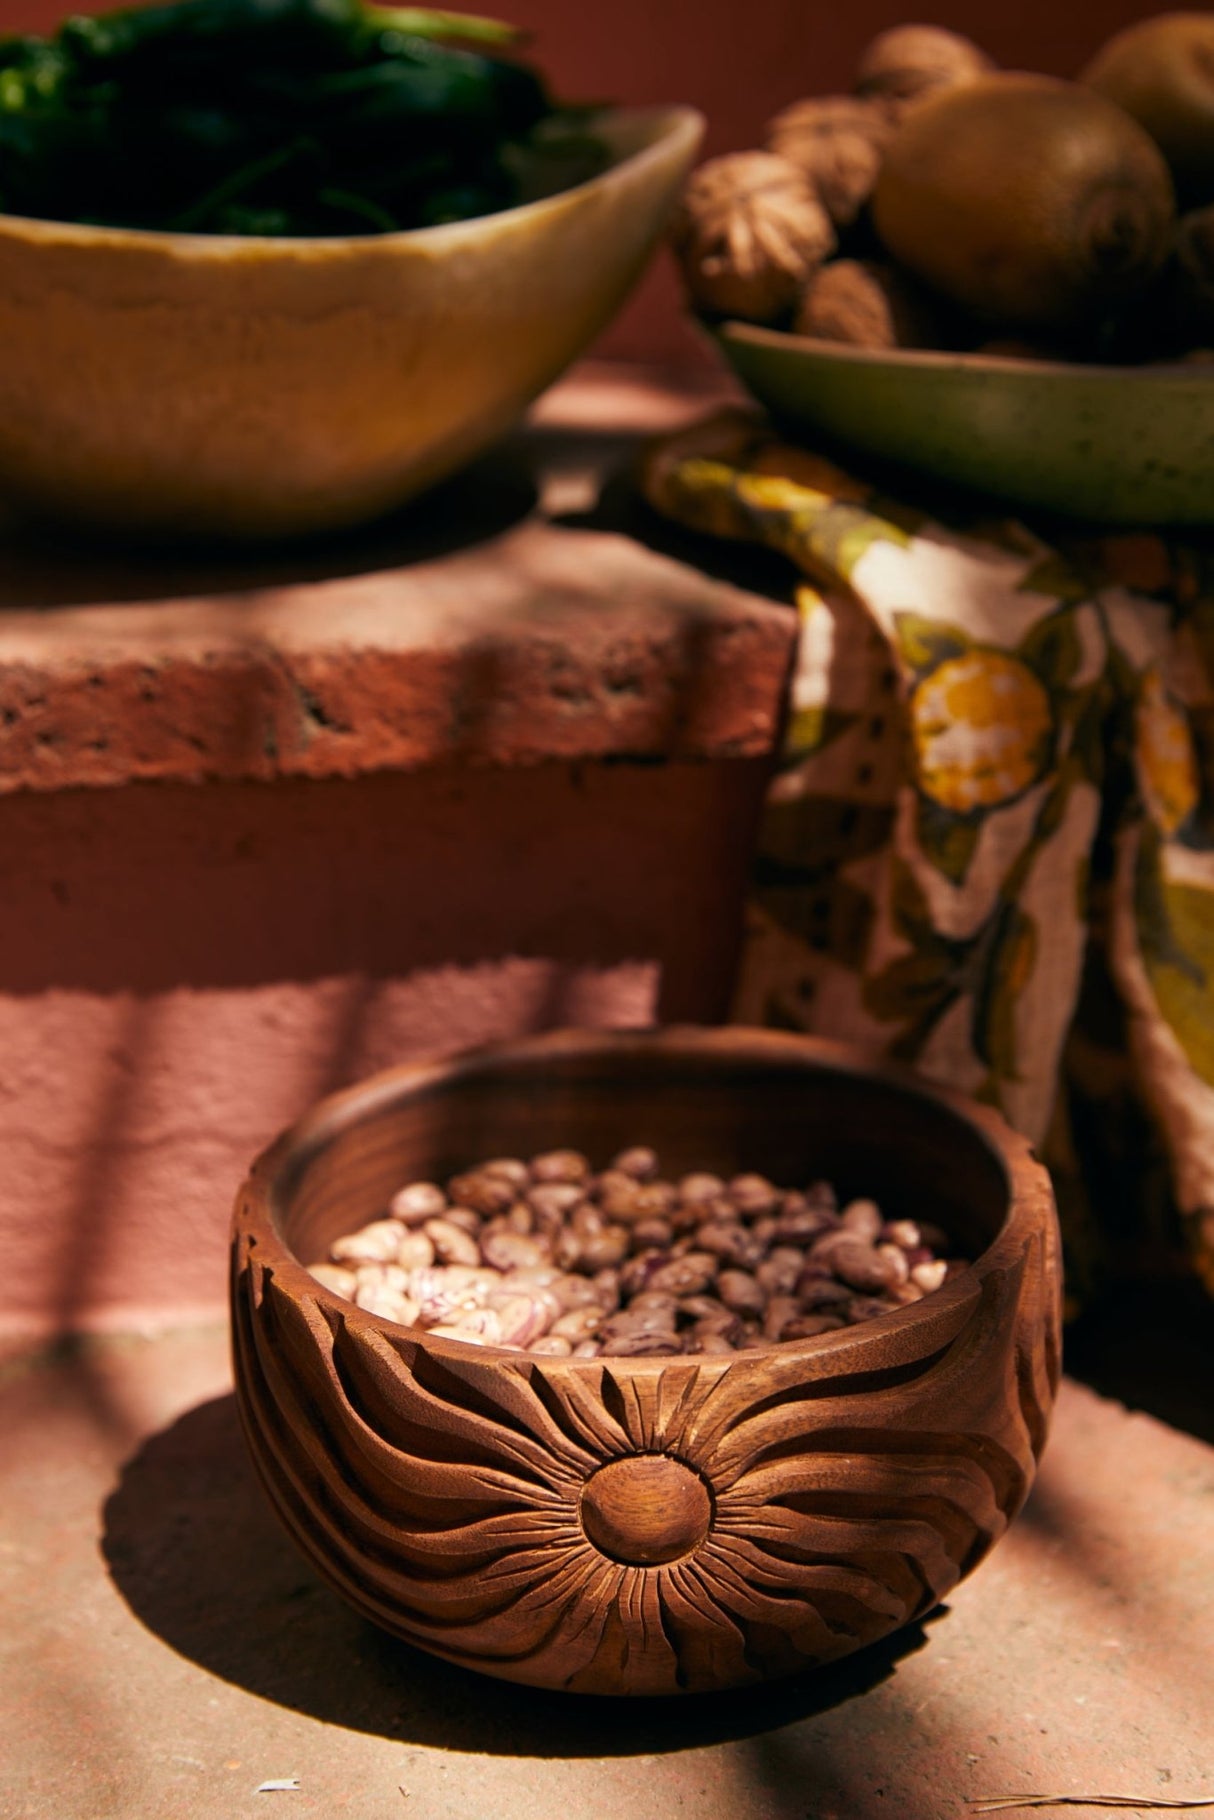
{"x":194,"y":1549}
{"x":47,"y":564}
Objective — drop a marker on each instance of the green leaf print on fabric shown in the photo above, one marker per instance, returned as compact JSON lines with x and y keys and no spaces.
{"x":926,"y":643}
{"x":915,"y":989}
{"x":992,"y":967}
{"x":1056,"y":578}
{"x":948,"y":841}
{"x":825,"y":536}
{"x":843,"y":533}
{"x":810,"y":729}
{"x":1176,"y":937}
{"x":1011,"y":955}
{"x":816,"y":835}
{"x":836,"y":919}
{"x":1053,"y":648}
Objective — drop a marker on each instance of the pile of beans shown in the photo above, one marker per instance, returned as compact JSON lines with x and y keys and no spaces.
{"x":549,"y":1257}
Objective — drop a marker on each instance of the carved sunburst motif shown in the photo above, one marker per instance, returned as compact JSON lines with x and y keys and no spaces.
{"x":644,"y":1525}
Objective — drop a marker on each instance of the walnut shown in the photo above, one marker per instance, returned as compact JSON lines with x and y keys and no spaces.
{"x":748,"y":232}
{"x":908,"y":62}
{"x":838,"y":141}
{"x":868,"y":306}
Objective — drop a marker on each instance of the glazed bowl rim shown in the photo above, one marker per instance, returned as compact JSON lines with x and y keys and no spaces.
{"x":1029,"y":1193}
{"x":672,"y":121}
{"x":938,"y":360}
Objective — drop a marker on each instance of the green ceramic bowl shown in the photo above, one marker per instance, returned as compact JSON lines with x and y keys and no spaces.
{"x":1122,"y":445}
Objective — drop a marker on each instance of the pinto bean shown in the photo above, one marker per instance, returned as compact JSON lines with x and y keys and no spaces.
{"x":451,"y":1243}
{"x":416,"y":1202}
{"x":544,"y":1256}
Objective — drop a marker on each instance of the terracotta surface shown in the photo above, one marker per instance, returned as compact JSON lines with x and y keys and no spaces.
{"x":630,"y":1525}
{"x":181,"y":976}
{"x":185,"y":966}
{"x":165,"y":1650}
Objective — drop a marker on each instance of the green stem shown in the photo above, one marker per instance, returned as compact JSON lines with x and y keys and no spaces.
{"x":421,"y":22}
{"x":233,"y":186}
{"x":362,"y":206}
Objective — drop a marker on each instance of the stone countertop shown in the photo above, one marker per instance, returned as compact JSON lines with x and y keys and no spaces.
{"x":166,"y":1652}
{"x":508,"y":618}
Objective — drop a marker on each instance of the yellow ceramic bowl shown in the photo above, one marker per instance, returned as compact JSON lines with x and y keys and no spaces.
{"x":205,"y":385}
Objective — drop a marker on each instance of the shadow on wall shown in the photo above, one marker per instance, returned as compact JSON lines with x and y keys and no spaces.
{"x":193,"y":1548}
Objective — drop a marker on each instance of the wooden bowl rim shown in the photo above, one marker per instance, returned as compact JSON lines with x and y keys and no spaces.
{"x":672,"y":125}
{"x":1030,"y":1198}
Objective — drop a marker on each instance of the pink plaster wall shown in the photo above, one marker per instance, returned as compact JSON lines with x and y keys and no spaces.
{"x":739,"y":63}
{"x":183,"y":969}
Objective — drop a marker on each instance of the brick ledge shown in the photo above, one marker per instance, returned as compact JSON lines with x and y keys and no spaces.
{"x":487,"y":627}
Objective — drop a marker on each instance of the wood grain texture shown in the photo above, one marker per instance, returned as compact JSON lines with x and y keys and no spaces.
{"x":658,"y":1525}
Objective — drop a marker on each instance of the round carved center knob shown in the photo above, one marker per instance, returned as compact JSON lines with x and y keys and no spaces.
{"x":646,"y":1509}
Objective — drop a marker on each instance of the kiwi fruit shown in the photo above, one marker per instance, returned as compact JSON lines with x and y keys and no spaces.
{"x":1162,"y":72}
{"x":1033,"y":203}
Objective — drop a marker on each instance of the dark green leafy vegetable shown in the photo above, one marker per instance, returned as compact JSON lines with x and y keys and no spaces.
{"x":295,"y":28}
{"x":278,"y":117}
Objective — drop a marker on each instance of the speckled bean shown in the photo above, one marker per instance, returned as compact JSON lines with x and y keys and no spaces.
{"x":864,"y":1219}
{"x":375,"y":1243}
{"x":336,"y":1277}
{"x":484,"y":1193}
{"x":578,"y":1324}
{"x":753,"y":1195}
{"x":780,"y":1311}
{"x":740,"y":1291}
{"x":465,"y":1219}
{"x":548,"y":1257}
{"x":415,"y":1250}
{"x":639,"y":1161}
{"x":641,"y":1345}
{"x":604,"y":1251}
{"x":855,"y":1263}
{"x":522,"y":1318}
{"x":560,"y":1166}
{"x":808,"y":1326}
{"x":388,"y":1304}
{"x":416,"y":1202}
{"x":451,"y":1243}
{"x":896,"y":1267}
{"x":652,"y":1235}
{"x":780,"y":1271}
{"x":553,"y":1200}
{"x":688,"y":1275}
{"x":700,"y":1186}
{"x":730,"y":1241}
{"x":512,"y":1169}
{"x":512,"y":1250}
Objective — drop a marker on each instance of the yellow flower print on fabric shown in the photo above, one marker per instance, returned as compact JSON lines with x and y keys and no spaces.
{"x":982,"y":728}
{"x":1163,"y":747}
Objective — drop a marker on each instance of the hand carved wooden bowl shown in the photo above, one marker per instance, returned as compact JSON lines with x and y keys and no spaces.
{"x":650,"y":1525}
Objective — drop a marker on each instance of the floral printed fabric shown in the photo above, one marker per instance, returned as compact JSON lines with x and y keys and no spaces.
{"x":997,"y":781}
